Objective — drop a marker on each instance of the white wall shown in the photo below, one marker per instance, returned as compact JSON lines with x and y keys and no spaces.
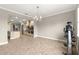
{"x":35,"y":29}
{"x":78,"y":22}
{"x":3,"y":28}
{"x":78,"y":29}
{"x":52,"y":27}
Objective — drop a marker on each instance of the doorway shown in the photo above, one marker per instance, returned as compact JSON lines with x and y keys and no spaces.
{"x":27,"y":28}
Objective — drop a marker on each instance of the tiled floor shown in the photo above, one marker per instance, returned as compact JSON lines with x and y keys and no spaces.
{"x":33,"y":46}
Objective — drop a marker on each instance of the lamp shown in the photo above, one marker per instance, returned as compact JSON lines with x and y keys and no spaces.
{"x":37,"y":17}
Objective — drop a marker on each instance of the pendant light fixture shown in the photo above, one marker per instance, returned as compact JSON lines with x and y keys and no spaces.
{"x":37,"y":17}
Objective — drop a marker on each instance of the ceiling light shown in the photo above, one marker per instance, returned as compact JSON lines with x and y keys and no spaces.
{"x":14,"y":17}
{"x":12,"y":20}
{"x":37,"y":17}
{"x":24,"y":19}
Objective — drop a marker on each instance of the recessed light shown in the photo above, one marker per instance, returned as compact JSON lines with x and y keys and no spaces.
{"x":16,"y":17}
{"x":12,"y":20}
{"x":24,"y":19}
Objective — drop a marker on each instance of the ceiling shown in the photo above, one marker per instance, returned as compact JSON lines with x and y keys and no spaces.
{"x":24,"y":12}
{"x":45,"y":10}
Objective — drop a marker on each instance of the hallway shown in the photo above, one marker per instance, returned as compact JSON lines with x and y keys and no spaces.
{"x":46,"y":23}
{"x":33,"y":46}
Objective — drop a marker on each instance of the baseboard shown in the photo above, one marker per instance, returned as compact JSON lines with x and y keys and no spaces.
{"x":51,"y":38}
{"x":35,"y":36}
{"x":3,"y":43}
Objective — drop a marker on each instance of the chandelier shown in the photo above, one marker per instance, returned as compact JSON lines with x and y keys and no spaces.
{"x":37,"y":17}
